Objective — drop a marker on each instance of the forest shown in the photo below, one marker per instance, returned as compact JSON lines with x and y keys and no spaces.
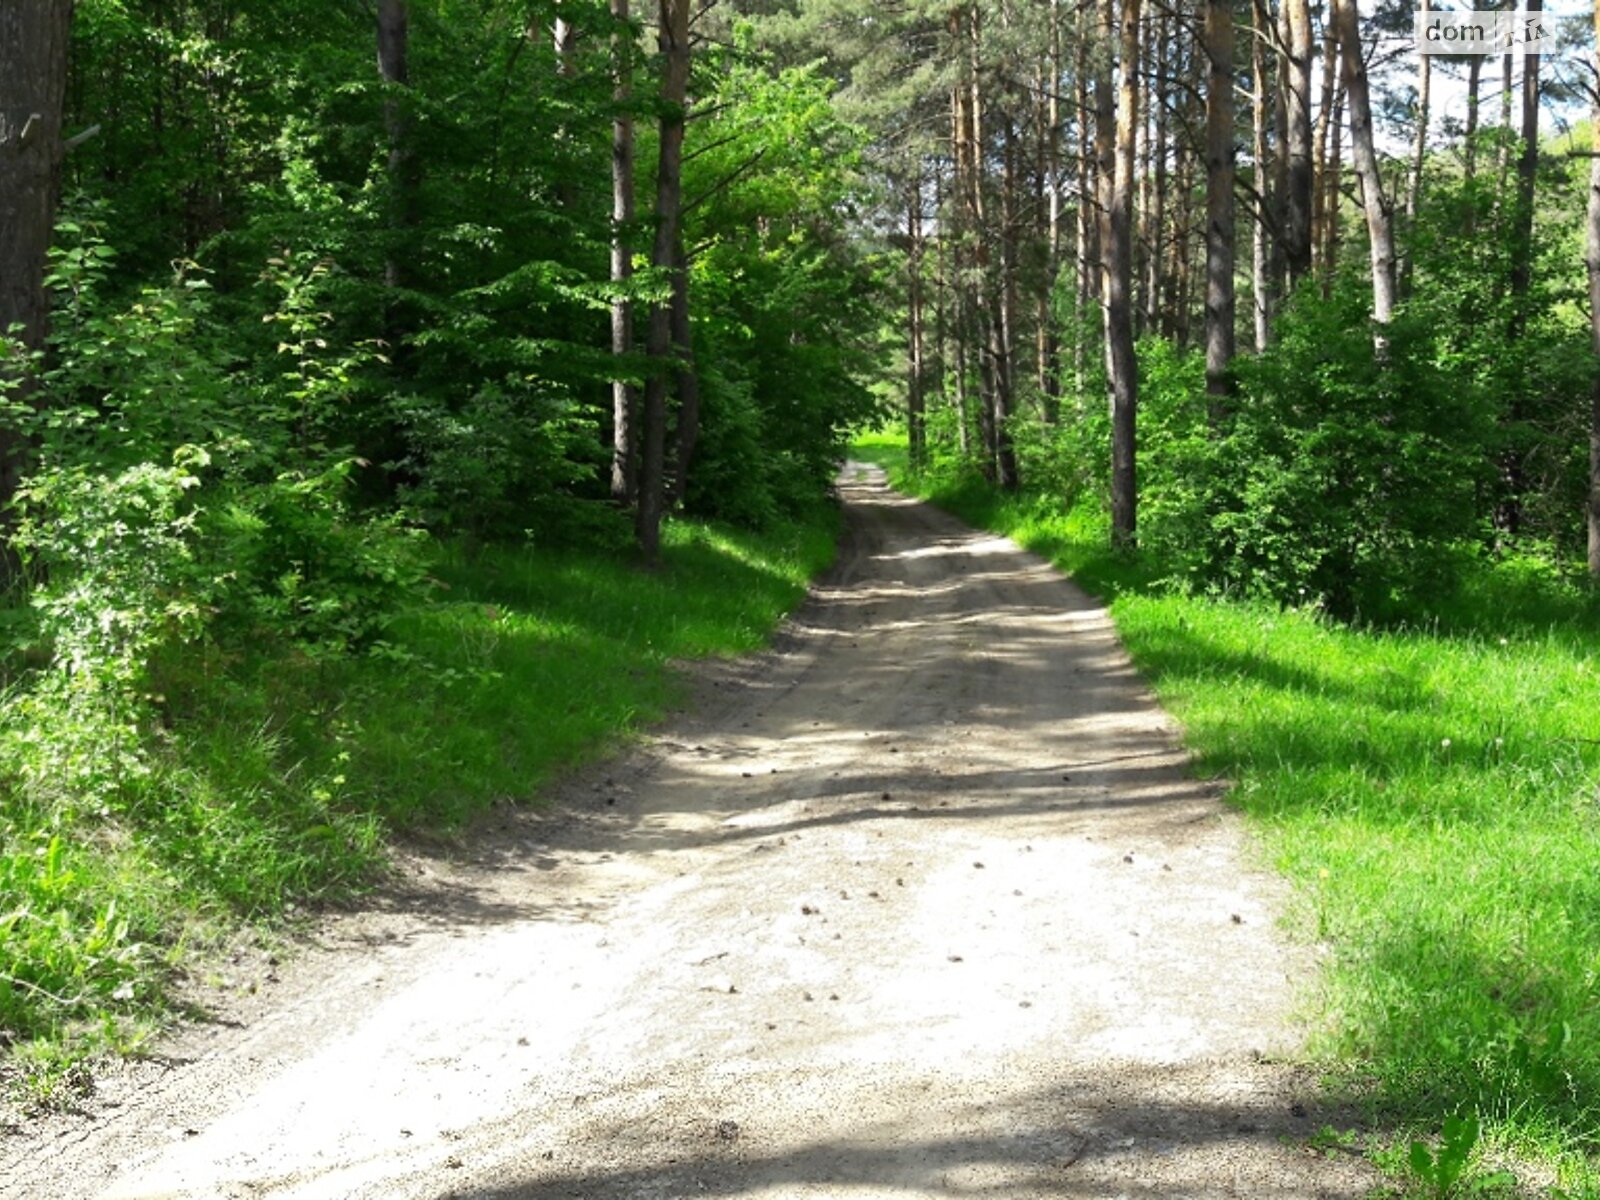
{"x":394,"y":389}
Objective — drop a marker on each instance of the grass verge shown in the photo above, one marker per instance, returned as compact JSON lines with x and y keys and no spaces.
{"x":277,"y":779}
{"x":1433,"y":794}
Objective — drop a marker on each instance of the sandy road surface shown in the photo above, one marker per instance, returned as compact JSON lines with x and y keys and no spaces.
{"x":922,"y":905}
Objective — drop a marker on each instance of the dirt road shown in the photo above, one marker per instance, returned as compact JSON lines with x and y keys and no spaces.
{"x":920,"y":905}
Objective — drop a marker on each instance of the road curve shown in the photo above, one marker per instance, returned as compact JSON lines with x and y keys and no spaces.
{"x":923,"y":904}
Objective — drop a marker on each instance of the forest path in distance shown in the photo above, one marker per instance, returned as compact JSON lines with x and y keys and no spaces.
{"x":923,"y":903}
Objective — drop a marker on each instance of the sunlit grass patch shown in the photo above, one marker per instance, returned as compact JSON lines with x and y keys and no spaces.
{"x":1434,"y":795}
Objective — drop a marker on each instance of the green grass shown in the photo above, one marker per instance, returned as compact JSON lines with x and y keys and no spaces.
{"x":1434,"y":795}
{"x":279,"y":780}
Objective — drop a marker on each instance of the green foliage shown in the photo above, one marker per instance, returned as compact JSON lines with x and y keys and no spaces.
{"x":788,"y":305}
{"x":1441,"y":1169}
{"x":271,"y":776}
{"x":1335,"y":479}
{"x":1444,"y":1172}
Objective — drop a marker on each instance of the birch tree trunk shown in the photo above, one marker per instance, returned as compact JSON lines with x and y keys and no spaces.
{"x":1379,"y":214}
{"x":623,"y":479}
{"x":1261,"y":234}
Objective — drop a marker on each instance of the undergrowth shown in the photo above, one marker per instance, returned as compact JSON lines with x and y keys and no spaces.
{"x":272,"y":778}
{"x":1431,"y":792}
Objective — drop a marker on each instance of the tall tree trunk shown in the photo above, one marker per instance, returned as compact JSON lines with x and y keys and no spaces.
{"x":393,"y":46}
{"x":1006,"y":316}
{"x":1087,"y":225}
{"x":985,"y":303}
{"x":34,"y":38}
{"x":1470,"y":134}
{"x":1115,"y":142}
{"x":1219,"y":329}
{"x":1508,"y":517}
{"x":673,"y":37}
{"x":1419,"y":150}
{"x":1298,"y":178}
{"x":623,"y":479}
{"x":1319,"y":138}
{"x":960,"y":239}
{"x":1263,"y":293}
{"x":1380,"y":224}
{"x":564,"y":38}
{"x":1143,"y":160}
{"x":1279,"y":25}
{"x":1527,"y":174}
{"x":1050,"y":180}
{"x":916,"y":427}
{"x":1592,"y":261}
{"x":1503,"y":151}
{"x":1156,"y":259}
{"x":1332,"y":229}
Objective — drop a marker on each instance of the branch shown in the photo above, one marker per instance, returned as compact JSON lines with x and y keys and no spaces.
{"x":72,"y":143}
{"x":726,"y":182}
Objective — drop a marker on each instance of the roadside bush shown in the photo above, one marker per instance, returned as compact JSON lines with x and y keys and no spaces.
{"x":1333,"y":480}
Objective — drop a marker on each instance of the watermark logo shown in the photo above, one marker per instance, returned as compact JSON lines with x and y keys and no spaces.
{"x":1480,"y":32}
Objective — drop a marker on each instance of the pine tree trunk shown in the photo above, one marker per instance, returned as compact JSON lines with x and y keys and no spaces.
{"x":1116,"y":136}
{"x":1088,"y":247}
{"x":1319,"y":138}
{"x":1006,"y":298}
{"x":916,"y":426}
{"x":1279,"y":244}
{"x":1334,"y":218}
{"x":1469,"y":135}
{"x":1527,"y":174}
{"x":623,"y":479}
{"x":1508,"y":515}
{"x":34,"y":38}
{"x":1380,"y":224}
{"x":1050,"y":181}
{"x":985,"y":303}
{"x":960,"y":252}
{"x":1140,"y":225}
{"x":1155,"y":280}
{"x":1219,"y":325}
{"x":674,"y":42}
{"x":1298,"y":177}
{"x":1503,"y":151}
